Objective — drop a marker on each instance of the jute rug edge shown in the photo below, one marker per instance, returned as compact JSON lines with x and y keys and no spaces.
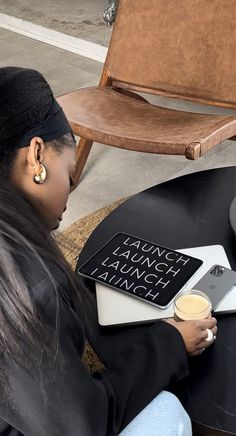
{"x":71,"y":242}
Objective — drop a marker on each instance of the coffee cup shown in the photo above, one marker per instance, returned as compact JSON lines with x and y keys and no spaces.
{"x":192,"y":305}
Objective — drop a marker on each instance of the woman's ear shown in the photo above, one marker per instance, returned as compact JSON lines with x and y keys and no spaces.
{"x":35,"y":154}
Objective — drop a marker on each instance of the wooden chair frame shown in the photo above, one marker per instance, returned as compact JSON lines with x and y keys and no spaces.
{"x":172,"y":60}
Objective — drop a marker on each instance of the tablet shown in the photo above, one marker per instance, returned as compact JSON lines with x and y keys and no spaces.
{"x":117,"y":308}
{"x":140,"y":268}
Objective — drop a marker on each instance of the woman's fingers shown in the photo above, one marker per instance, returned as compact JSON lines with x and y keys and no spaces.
{"x":205,"y":334}
{"x":198,"y":352}
{"x":197,"y":335}
{"x":208,"y":336}
{"x":205,"y":344}
{"x":208,"y":331}
{"x":208,"y":323}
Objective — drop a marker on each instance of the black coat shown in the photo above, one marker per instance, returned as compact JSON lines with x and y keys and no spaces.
{"x":71,"y":402}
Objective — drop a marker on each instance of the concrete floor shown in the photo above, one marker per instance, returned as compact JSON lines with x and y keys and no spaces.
{"x":110,"y":173}
{"x":80,"y":18}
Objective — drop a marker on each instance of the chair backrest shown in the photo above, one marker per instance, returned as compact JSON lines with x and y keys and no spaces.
{"x":183,"y":48}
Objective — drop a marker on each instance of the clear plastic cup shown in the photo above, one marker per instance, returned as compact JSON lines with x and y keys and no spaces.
{"x":192,"y":305}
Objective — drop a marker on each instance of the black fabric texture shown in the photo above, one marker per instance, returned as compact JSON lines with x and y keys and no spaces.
{"x":52,"y":128}
{"x":27,"y":108}
{"x":69,"y":401}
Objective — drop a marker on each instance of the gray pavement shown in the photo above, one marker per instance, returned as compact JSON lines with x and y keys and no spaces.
{"x":80,"y":18}
{"x":110,"y":173}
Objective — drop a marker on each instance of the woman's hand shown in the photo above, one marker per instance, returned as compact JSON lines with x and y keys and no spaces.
{"x":194,"y":333}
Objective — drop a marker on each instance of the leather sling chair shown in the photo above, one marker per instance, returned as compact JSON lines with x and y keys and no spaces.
{"x":184,"y":50}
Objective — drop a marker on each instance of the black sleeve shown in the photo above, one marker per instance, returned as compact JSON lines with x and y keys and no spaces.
{"x":153,"y":363}
{"x":70,"y":402}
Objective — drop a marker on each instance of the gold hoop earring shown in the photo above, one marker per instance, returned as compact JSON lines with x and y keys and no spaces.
{"x":41,"y":176}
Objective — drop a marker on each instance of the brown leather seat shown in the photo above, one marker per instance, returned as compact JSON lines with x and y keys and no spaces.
{"x":185,"y":51}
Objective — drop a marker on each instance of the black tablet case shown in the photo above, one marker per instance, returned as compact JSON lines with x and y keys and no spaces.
{"x":141,"y":268}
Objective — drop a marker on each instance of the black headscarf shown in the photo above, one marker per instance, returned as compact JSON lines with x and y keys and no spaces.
{"x":27,"y":109}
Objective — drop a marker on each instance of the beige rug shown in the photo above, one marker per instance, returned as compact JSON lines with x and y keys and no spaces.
{"x":71,"y":242}
{"x":72,"y":239}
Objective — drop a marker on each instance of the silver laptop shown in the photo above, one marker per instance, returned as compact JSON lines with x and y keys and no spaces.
{"x":116,"y":308}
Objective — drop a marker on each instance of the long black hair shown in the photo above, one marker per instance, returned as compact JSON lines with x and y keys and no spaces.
{"x":24,"y":238}
{"x":26,"y":99}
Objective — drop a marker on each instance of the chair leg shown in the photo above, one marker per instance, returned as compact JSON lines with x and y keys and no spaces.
{"x":109,"y":14}
{"x":82,"y":152}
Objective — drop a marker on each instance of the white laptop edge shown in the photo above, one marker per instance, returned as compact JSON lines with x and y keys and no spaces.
{"x":117,"y":308}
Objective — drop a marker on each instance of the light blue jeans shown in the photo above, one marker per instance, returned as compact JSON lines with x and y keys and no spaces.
{"x":164,"y":416}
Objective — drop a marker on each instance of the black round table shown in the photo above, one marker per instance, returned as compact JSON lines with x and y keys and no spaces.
{"x":186,"y":212}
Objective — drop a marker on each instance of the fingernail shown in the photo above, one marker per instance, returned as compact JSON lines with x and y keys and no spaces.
{"x":214,"y":337}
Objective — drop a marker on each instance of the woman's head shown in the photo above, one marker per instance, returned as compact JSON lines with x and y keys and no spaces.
{"x":37,"y":147}
{"x":37,"y":162}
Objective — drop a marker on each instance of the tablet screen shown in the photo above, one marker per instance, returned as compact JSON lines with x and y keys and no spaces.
{"x":141,"y":268}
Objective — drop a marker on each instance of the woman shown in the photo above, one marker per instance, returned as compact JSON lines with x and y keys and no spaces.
{"x":45,"y":389}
